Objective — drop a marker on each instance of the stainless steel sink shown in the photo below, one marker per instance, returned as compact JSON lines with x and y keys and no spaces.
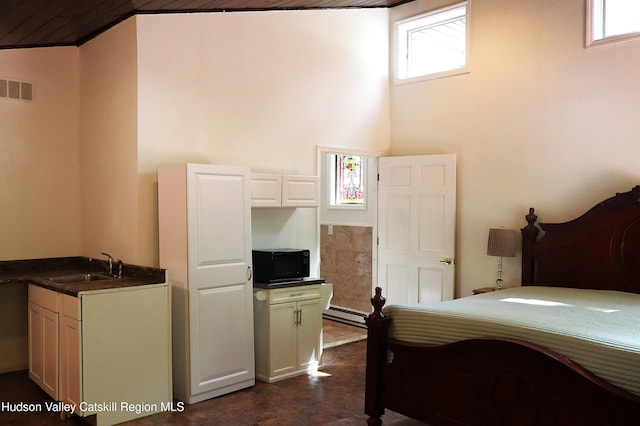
{"x":79,"y":278}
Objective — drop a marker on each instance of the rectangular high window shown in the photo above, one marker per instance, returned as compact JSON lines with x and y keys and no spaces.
{"x":612,"y":21}
{"x":433,"y":44}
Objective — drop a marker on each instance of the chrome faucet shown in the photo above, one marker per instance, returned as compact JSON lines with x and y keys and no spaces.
{"x":120,"y":267}
{"x":109,"y":263}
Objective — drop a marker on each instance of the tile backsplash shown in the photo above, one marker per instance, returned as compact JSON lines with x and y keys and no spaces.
{"x":346,"y":262}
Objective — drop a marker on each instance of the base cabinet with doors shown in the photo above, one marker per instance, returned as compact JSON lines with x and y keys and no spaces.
{"x":288,"y":324}
{"x":43,"y":319}
{"x":204,"y":218}
{"x":112,"y":351}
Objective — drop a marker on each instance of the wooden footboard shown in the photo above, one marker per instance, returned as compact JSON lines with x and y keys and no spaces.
{"x":485,"y":382}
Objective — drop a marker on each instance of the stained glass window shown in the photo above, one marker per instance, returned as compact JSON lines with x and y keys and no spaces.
{"x":349,"y":180}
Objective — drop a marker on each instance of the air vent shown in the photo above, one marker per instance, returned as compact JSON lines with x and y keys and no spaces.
{"x":18,"y":90}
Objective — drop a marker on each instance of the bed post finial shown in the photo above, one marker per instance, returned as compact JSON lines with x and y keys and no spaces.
{"x":377,"y":328}
{"x":530,"y":232}
{"x":378,"y":301}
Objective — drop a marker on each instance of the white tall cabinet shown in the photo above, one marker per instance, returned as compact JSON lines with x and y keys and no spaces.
{"x":205,"y":244}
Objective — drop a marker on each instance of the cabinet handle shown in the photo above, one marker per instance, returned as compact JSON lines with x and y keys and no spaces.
{"x":297,"y":317}
{"x":249,"y":273}
{"x":296,"y":294}
{"x":300,"y":317}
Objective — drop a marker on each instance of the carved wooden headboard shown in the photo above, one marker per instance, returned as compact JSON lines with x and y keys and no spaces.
{"x":598,"y":250}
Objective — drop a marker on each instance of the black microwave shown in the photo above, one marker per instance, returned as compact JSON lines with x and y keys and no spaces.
{"x":276,"y":265}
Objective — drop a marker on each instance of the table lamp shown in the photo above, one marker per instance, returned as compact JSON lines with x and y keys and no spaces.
{"x":502,"y":243}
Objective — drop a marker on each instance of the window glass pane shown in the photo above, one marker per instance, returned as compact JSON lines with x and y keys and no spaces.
{"x":432,"y":43}
{"x":621,"y":17}
{"x":437,"y":48}
{"x":349,"y":180}
{"x":613,"y":18}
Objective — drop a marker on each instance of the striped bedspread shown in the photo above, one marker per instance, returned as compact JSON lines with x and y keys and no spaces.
{"x":598,"y":329}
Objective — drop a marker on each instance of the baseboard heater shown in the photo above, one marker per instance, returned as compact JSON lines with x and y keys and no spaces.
{"x":346,"y":316}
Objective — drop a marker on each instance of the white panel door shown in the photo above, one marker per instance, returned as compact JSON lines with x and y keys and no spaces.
{"x":220,"y":289}
{"x":416,"y":228}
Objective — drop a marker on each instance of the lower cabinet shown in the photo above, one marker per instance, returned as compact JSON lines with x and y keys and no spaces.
{"x":43,"y":318}
{"x":111,"y":352}
{"x":288,"y":331}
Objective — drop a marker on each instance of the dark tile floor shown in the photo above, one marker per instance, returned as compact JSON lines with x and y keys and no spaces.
{"x":334,"y":396}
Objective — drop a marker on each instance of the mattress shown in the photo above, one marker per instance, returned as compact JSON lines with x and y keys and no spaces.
{"x":598,"y":329}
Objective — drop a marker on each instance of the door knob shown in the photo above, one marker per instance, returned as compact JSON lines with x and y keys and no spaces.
{"x":446,"y":260}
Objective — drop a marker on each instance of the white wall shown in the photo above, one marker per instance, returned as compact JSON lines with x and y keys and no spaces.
{"x":259,"y":89}
{"x":39,"y":159}
{"x":262,"y":90}
{"x":39,"y":178}
{"x":540,"y":122}
{"x":108,"y":144}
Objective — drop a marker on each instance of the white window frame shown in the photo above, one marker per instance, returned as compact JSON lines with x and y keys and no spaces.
{"x":594,"y":18}
{"x":400,"y":46}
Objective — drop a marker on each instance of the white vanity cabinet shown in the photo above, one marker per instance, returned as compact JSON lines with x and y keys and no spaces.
{"x":114,"y":348}
{"x":288,"y":324}
{"x":204,"y":215}
{"x":43,"y":338}
{"x":274,"y":190}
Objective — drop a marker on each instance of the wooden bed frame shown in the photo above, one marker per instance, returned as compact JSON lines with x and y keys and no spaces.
{"x":495,"y":381}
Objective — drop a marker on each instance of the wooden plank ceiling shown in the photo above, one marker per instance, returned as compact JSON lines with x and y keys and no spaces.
{"x":41,"y":23}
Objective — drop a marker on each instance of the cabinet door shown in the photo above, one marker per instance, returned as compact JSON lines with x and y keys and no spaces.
{"x":266,"y":190}
{"x":43,"y":348}
{"x":300,"y":191}
{"x":70,"y":361}
{"x":36,"y":343}
{"x":220,"y":286}
{"x":283,"y":338}
{"x":309,"y":333}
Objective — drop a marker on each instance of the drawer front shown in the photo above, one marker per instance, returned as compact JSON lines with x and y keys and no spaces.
{"x":71,"y":307}
{"x":293,"y":294}
{"x":44,"y":297}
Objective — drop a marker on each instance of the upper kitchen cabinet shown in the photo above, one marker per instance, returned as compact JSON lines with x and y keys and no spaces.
{"x":205,"y":244}
{"x":274,"y":190}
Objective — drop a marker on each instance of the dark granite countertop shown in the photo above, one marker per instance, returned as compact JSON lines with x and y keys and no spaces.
{"x":40,"y":272}
{"x":292,"y":283}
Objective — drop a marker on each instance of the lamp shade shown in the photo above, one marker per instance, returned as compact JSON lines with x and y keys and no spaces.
{"x":502,"y":242}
